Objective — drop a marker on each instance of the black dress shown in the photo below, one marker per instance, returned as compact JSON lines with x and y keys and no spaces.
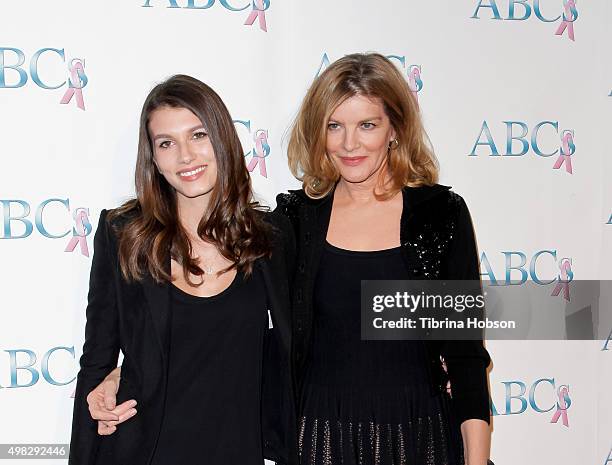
{"x":368,"y":402}
{"x":213,"y":406}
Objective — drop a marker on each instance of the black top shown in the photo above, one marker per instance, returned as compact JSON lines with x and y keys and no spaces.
{"x":338,"y":356}
{"x":437,"y":242}
{"x":213,"y":404}
{"x":368,"y":401}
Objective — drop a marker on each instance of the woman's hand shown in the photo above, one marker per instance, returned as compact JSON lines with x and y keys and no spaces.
{"x":102,"y":404}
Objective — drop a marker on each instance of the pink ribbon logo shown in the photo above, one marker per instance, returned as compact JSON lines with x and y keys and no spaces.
{"x":570,"y":15}
{"x":75,"y":86}
{"x":568,"y":148}
{"x":82,"y":224}
{"x":260,"y":152}
{"x":258,"y":12}
{"x":414,"y":81}
{"x":562,"y":406}
{"x":566,"y":277}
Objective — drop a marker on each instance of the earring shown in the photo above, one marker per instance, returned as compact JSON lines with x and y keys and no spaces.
{"x":393,"y":144}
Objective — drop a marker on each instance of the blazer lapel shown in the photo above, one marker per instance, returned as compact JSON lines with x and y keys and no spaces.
{"x":277,"y":291}
{"x":314,"y":220}
{"x":158,"y":299}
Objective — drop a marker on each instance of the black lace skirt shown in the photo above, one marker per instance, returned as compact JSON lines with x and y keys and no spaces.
{"x":377,"y":425}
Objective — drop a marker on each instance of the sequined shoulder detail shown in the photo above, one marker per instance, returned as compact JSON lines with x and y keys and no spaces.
{"x":428,"y":239}
{"x":288,"y":205}
{"x":289,"y":202}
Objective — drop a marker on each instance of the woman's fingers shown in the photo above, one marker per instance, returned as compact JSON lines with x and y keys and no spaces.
{"x":123,"y":417}
{"x":98,"y":412}
{"x":119,"y":414}
{"x":102,"y":404}
{"x":124,"y":412}
{"x":104,"y":430}
{"x":108,"y":427}
{"x":100,"y":398}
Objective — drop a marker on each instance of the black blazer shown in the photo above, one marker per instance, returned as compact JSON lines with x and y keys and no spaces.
{"x":437,"y":242}
{"x":133,"y":317}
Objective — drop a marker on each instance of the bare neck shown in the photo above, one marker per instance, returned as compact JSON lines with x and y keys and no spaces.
{"x":358,"y":193}
{"x":191,"y":211}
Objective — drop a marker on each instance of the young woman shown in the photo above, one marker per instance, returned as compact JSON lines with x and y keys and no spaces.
{"x":182,"y":280}
{"x":370,"y":209}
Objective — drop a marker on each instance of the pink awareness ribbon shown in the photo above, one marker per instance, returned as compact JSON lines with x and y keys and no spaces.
{"x":415,"y":73}
{"x":565,"y":155}
{"x":260,"y":152}
{"x":258,"y":12}
{"x":564,"y":280}
{"x":568,"y":20}
{"x":562,"y":407}
{"x":80,"y":238}
{"x":75,"y":88}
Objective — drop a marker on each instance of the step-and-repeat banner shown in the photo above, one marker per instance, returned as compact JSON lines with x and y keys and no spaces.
{"x":516,"y":97}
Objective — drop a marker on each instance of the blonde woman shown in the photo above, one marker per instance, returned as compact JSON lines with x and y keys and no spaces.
{"x":370,"y":209}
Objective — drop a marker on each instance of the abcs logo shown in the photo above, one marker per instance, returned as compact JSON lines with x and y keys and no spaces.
{"x":257,"y":141}
{"x":258,"y":8}
{"x":72,"y":72}
{"x":24,"y":370}
{"x":562,"y":280}
{"x":516,"y":264}
{"x":610,"y":219}
{"x":568,"y":13}
{"x":518,"y":143}
{"x":412,"y":71}
{"x":16,"y":212}
{"x":542,"y":396}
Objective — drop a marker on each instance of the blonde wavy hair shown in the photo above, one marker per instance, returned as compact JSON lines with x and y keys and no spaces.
{"x":411,"y":162}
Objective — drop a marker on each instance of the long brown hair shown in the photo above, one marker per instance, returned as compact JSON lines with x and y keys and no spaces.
{"x":152,"y":232}
{"x":411,"y":162}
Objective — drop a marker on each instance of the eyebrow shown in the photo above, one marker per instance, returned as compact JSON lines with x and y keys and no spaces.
{"x":374,"y":118}
{"x":166,"y":136}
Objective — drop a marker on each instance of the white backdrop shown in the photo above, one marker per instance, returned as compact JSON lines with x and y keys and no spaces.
{"x":481,"y":72}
